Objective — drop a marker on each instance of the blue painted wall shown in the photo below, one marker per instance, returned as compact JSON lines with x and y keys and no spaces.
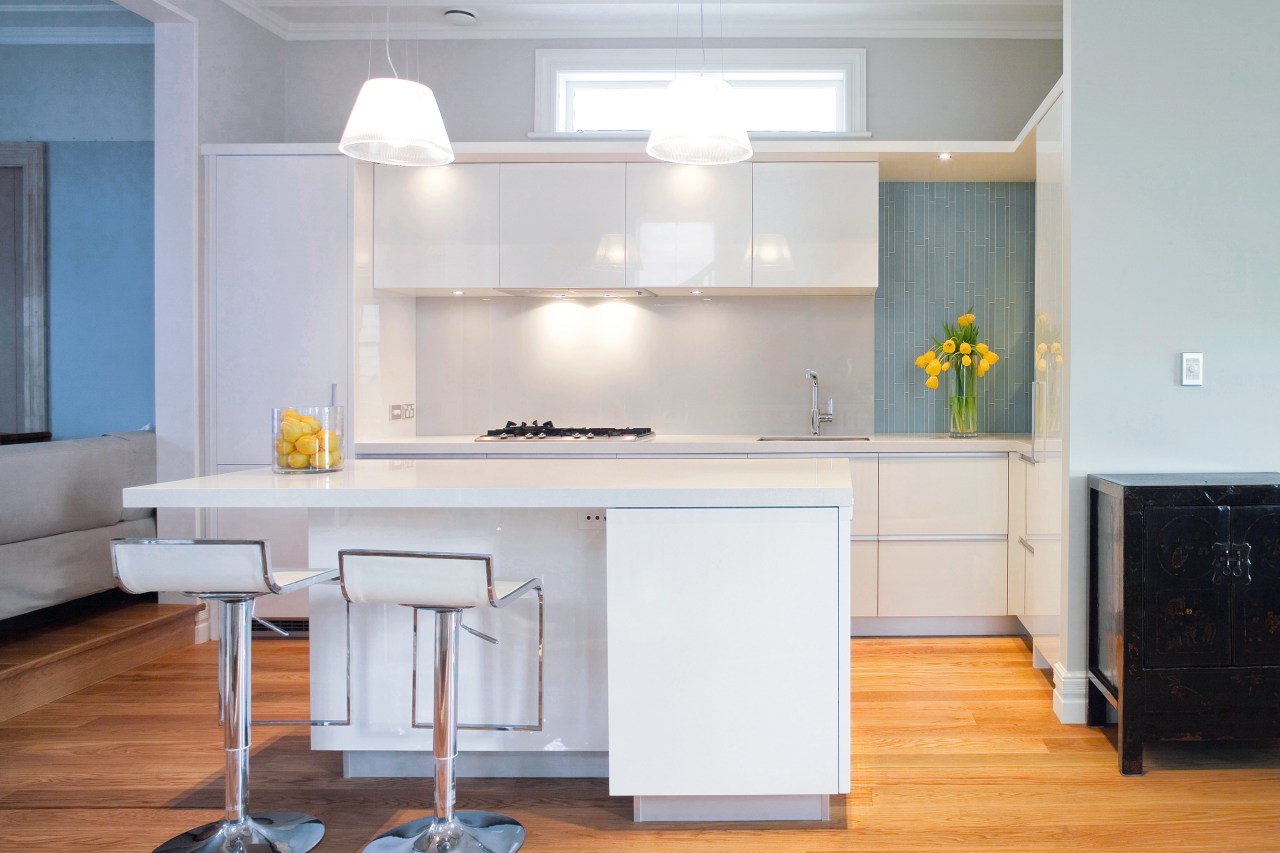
{"x":93,"y":105}
{"x":101,"y":287}
{"x":946,"y":247}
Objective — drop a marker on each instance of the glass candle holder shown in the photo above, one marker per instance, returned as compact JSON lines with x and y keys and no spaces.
{"x":307,"y":439}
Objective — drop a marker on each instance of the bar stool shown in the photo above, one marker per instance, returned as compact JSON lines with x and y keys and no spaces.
{"x":234,"y":572}
{"x":446,"y":584}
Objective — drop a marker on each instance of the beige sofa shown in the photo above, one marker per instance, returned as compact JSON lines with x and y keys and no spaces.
{"x":60,"y":506}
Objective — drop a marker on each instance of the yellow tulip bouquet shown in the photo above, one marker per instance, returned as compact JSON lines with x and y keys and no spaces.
{"x":961,"y":354}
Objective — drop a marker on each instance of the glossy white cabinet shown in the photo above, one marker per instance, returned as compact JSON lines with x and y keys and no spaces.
{"x":863,"y":561}
{"x":943,"y":578}
{"x":1018,"y":547}
{"x":708,"y":585}
{"x":816,"y":226}
{"x":688,"y":227}
{"x":932,"y":494}
{"x":562,"y":225}
{"x":279,"y":273}
{"x":436,"y":229}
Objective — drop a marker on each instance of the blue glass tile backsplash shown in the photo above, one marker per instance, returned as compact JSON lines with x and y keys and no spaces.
{"x":945,"y":248}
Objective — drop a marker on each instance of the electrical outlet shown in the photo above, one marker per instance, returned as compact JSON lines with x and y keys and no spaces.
{"x":397,"y":411}
{"x":591,"y":519}
{"x":409,"y":411}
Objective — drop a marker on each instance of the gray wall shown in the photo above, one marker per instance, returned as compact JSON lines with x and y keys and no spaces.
{"x":952,"y":89}
{"x":1173,"y":188}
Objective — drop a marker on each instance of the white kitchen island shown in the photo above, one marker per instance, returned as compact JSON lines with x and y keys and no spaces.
{"x":697,"y":616}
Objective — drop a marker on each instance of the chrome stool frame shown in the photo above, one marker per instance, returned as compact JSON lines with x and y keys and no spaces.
{"x":238,"y":831}
{"x":449,"y":831}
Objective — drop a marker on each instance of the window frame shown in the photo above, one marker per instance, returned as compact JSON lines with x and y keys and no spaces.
{"x":550,"y":64}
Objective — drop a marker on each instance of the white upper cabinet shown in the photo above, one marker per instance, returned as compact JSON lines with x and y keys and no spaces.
{"x":280,"y":266}
{"x":437,"y":228}
{"x":562,"y":225}
{"x":688,"y":227}
{"x":816,"y":226}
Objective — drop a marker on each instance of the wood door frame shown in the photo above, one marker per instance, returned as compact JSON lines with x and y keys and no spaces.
{"x":33,"y":408}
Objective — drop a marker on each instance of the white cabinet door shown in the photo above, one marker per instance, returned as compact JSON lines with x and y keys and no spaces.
{"x":816,"y":226}
{"x":943,"y":578}
{"x":935,"y":495}
{"x":700,"y":667}
{"x":688,"y":226}
{"x":1018,"y":548}
{"x":864,"y":571}
{"x":562,"y":225}
{"x":279,"y":277}
{"x":436,"y":229}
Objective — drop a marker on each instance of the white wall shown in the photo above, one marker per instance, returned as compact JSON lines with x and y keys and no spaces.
{"x":952,"y":89}
{"x":679,"y":365}
{"x":1174,"y":181}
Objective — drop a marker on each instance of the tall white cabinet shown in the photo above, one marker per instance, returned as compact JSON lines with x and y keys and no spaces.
{"x":279,"y":266}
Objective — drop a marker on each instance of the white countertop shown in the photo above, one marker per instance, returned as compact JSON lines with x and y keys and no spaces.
{"x":665,"y":445}
{"x":494,"y":483}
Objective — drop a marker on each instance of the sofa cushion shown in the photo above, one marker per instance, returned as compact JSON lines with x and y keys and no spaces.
{"x":62,"y":486}
{"x":141,"y":468}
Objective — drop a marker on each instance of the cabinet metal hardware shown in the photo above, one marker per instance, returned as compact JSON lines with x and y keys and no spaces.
{"x":1027,"y":545}
{"x":1232,"y":560}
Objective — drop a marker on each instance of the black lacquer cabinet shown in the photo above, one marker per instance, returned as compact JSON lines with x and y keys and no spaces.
{"x":1184,"y":607}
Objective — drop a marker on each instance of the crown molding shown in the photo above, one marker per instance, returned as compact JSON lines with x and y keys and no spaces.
{"x":268,"y":20}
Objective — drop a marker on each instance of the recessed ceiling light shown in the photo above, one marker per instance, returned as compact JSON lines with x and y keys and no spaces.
{"x":460,"y":17}
{"x":457,"y":293}
{"x":697,"y":293}
{"x":944,"y":156}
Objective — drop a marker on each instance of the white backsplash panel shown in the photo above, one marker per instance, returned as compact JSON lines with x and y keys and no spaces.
{"x":681,"y":365}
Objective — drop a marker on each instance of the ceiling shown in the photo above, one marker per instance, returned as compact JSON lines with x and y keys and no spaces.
{"x":73,"y":21}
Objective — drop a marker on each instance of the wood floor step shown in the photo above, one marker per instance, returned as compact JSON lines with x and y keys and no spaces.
{"x":47,"y":663}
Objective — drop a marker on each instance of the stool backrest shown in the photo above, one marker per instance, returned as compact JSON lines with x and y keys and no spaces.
{"x":416,"y":578}
{"x":202,"y":566}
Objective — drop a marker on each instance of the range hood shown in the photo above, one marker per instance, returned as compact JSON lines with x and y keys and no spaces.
{"x":578,"y":292}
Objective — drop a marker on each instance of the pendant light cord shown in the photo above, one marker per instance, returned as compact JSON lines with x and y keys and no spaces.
{"x":389,"y":62}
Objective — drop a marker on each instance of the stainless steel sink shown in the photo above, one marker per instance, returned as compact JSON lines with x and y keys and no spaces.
{"x":814,"y":438}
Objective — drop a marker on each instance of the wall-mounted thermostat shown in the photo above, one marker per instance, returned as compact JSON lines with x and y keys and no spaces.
{"x":1193,"y":368}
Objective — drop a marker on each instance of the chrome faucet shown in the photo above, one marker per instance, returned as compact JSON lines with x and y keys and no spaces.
{"x":818,"y":418}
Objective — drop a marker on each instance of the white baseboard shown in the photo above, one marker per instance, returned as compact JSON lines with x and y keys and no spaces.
{"x":357,"y":764}
{"x":1070,"y":694}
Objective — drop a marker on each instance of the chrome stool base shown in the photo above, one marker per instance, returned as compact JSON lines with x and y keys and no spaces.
{"x":467,"y":832}
{"x":265,"y":832}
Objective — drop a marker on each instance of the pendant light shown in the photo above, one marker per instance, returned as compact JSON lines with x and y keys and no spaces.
{"x":396,"y":122}
{"x":699,"y":124}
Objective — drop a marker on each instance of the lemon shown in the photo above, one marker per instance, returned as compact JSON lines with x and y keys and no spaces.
{"x":291,"y":431}
{"x":290,"y":414}
{"x":310,"y":425}
{"x":282,"y":460}
{"x":329,"y":440}
{"x":307,"y":444}
{"x":283,"y":448}
{"x":298,"y":460}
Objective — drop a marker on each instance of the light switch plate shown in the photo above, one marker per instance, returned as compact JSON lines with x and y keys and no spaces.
{"x":1193,"y":368}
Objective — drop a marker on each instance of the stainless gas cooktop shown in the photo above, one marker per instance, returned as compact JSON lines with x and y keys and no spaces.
{"x":550,"y":432}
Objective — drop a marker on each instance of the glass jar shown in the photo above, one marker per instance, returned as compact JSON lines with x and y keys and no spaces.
{"x":306,"y":439}
{"x":963,"y":401}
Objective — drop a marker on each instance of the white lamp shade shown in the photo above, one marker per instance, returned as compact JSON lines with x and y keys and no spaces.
{"x":396,"y":122}
{"x":699,"y":124}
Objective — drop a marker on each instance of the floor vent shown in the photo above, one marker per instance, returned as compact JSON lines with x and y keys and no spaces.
{"x":296,"y":629}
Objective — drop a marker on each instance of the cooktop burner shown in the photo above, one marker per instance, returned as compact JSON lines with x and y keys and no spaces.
{"x":550,"y":432}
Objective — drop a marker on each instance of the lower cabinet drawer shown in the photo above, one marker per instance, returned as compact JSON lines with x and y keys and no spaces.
{"x":943,"y":578}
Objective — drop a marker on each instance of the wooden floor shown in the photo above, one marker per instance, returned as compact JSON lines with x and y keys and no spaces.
{"x":955,"y":749}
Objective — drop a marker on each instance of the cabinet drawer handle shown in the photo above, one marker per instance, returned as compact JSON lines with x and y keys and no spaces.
{"x":1025,"y":544}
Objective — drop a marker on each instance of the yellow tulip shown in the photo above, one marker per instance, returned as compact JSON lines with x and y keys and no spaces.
{"x":993,"y":356}
{"x":963,"y":321}
{"x":946,"y":365}
{"x":965,"y":349}
{"x":931,"y":382}
{"x":981,"y":348}
{"x":933,"y":368}
{"x":922,"y":360}
{"x":1042,"y":365}
{"x":1057,"y":347}
{"x":983,"y":367}
{"x":967,"y":360}
{"x":948,"y":346}
{"x":1057,"y":359}
{"x":1041,"y":349}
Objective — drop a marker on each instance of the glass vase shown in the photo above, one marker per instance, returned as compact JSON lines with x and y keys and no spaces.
{"x":307,"y":439}
{"x":963,"y":401}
